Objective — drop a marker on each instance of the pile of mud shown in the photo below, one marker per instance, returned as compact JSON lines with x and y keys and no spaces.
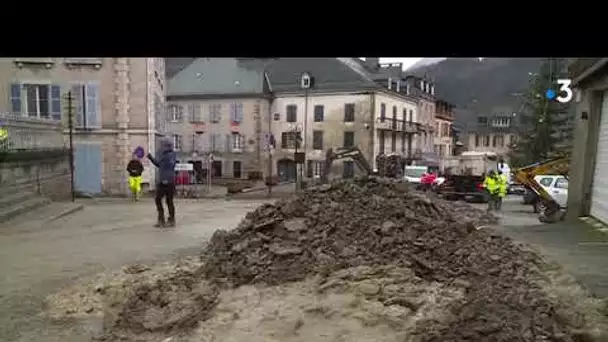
{"x":372,"y":222}
{"x":405,"y":252}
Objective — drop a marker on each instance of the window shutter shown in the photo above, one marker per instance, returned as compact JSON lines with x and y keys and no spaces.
{"x":243,"y":142}
{"x":233,"y":112}
{"x":309,"y":170}
{"x":197,"y":113}
{"x":15,"y":99}
{"x":93,"y":119}
{"x":186,"y":112}
{"x":78,"y":108}
{"x":218,"y":113}
{"x":56,"y":102}
{"x":239,"y":113}
{"x":228,"y":147}
{"x":212,"y":142}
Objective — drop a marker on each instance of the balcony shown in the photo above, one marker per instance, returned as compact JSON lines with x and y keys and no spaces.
{"x":390,"y":124}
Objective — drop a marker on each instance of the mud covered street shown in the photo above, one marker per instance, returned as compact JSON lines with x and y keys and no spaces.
{"x":336,"y":292}
{"x":37,"y":259}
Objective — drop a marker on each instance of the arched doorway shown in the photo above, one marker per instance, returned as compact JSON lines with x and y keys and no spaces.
{"x":286,"y":169}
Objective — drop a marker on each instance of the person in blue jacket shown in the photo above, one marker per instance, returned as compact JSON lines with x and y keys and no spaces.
{"x":165,"y":162}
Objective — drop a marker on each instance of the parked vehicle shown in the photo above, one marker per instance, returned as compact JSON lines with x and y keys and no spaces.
{"x":555,"y":185}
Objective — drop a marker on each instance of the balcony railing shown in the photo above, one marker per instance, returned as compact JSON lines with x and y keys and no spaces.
{"x":397,"y":125}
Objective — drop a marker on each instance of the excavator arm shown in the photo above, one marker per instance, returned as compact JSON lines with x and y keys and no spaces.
{"x":352,"y":152}
{"x":526,"y":175}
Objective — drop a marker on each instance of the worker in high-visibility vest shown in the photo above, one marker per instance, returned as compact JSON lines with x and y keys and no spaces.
{"x":3,"y":138}
{"x":503,"y":183}
{"x":491,"y":184}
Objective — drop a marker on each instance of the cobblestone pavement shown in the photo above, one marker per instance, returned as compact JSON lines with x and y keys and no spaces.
{"x":35,"y":259}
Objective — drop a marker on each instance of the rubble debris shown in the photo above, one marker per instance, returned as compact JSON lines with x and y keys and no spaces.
{"x":390,"y":165}
{"x":370,"y":222}
{"x":388,"y":253}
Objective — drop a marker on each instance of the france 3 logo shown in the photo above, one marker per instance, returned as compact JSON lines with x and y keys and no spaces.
{"x":565,"y":93}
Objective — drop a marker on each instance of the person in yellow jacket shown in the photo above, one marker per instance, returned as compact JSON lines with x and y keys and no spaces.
{"x":492,"y":186}
{"x":503,"y":184}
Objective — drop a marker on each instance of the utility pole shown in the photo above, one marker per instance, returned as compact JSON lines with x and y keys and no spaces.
{"x":71,"y":137}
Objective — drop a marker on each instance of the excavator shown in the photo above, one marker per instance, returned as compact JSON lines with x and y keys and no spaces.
{"x":550,"y":211}
{"x":341,"y":153}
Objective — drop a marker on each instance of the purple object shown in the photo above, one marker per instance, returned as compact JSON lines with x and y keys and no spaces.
{"x":139,"y":152}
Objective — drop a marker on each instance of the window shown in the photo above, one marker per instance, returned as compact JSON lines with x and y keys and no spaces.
{"x":216,"y":142}
{"x":476,"y":140}
{"x":546,"y":181}
{"x":87,"y":105}
{"x":403,"y":142}
{"x":348,"y":169}
{"x":175,"y":112}
{"x":394,"y":124}
{"x":238,"y":142}
{"x":404,"y":118}
{"x":288,"y":140}
{"x":36,"y":100}
{"x":436,"y":129}
{"x":349,"y":139}
{"x":393,"y":141}
{"x":196,"y":114}
{"x":177,"y":142}
{"x":501,"y":121}
{"x":411,"y":118}
{"x":486,"y":140}
{"x":445,"y":129}
{"x":482,"y":120}
{"x":494,"y":141}
{"x":215,"y":113}
{"x":315,"y":168}
{"x":236,"y":113}
{"x":382,"y":112}
{"x":317,"y":140}
{"x":561,"y":183}
{"x":349,"y":112}
{"x":500,"y":140}
{"x":319,"y":113}
{"x":237,"y":169}
{"x":292,"y":113}
{"x":381,"y":138}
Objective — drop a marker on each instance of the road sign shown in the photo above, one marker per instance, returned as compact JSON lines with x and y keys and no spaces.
{"x":184,"y":167}
{"x":139,"y":152}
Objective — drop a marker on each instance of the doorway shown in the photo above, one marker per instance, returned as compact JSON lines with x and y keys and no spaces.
{"x":286,"y":169}
{"x":216,"y":169}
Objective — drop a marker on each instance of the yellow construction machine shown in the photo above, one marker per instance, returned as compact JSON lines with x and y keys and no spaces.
{"x":550,"y":210}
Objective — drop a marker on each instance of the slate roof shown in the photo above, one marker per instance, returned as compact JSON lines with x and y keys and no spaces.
{"x":210,"y":76}
{"x":216,"y":76}
{"x":175,"y":65}
{"x":329,"y":74}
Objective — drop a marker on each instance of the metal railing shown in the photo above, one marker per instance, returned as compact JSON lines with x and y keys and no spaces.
{"x":397,"y":125}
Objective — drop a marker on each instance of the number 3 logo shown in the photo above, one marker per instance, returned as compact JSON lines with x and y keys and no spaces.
{"x":564,"y":88}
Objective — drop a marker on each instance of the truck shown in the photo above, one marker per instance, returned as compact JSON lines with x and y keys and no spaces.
{"x":464,"y":179}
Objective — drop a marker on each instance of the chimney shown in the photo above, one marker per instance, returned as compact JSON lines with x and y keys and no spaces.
{"x":398,"y":86}
{"x":433,"y":89}
{"x":407,"y":88}
{"x":390,"y":83}
{"x":372,"y":62}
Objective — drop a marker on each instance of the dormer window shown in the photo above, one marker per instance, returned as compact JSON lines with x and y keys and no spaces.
{"x":407,"y":89}
{"x":306,"y":81}
{"x":432,"y":90}
{"x":390,"y":83}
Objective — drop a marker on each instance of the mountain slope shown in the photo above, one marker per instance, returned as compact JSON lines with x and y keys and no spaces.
{"x":426,"y":62}
{"x":478,"y":86}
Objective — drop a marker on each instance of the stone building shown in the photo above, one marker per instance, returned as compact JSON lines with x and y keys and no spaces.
{"x":493,"y":132}
{"x":444,"y":118}
{"x":214,"y":109}
{"x":117,"y":105}
{"x":343,"y":107}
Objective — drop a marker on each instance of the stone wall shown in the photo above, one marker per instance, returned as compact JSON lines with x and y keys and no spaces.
{"x":47,"y":177}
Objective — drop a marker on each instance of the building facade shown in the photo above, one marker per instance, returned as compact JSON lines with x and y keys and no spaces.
{"x":444,"y":119}
{"x":495,"y":132}
{"x":341,"y":106}
{"x":214,"y":116}
{"x":588,"y":178}
{"x":424,"y":91}
{"x":116,"y":105}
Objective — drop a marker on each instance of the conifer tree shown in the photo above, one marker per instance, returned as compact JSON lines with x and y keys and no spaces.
{"x":543,"y":123}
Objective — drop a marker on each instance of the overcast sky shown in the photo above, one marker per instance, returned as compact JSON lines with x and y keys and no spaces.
{"x":407,"y":61}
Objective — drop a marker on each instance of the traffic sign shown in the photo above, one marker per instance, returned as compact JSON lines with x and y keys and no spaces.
{"x":184,"y":167}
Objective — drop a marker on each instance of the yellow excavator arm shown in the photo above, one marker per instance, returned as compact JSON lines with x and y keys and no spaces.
{"x":525,"y":175}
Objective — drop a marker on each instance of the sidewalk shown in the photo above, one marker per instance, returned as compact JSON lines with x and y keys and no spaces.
{"x":581,"y":249}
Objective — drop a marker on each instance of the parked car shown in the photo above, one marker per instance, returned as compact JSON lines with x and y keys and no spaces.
{"x":555,"y":185}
